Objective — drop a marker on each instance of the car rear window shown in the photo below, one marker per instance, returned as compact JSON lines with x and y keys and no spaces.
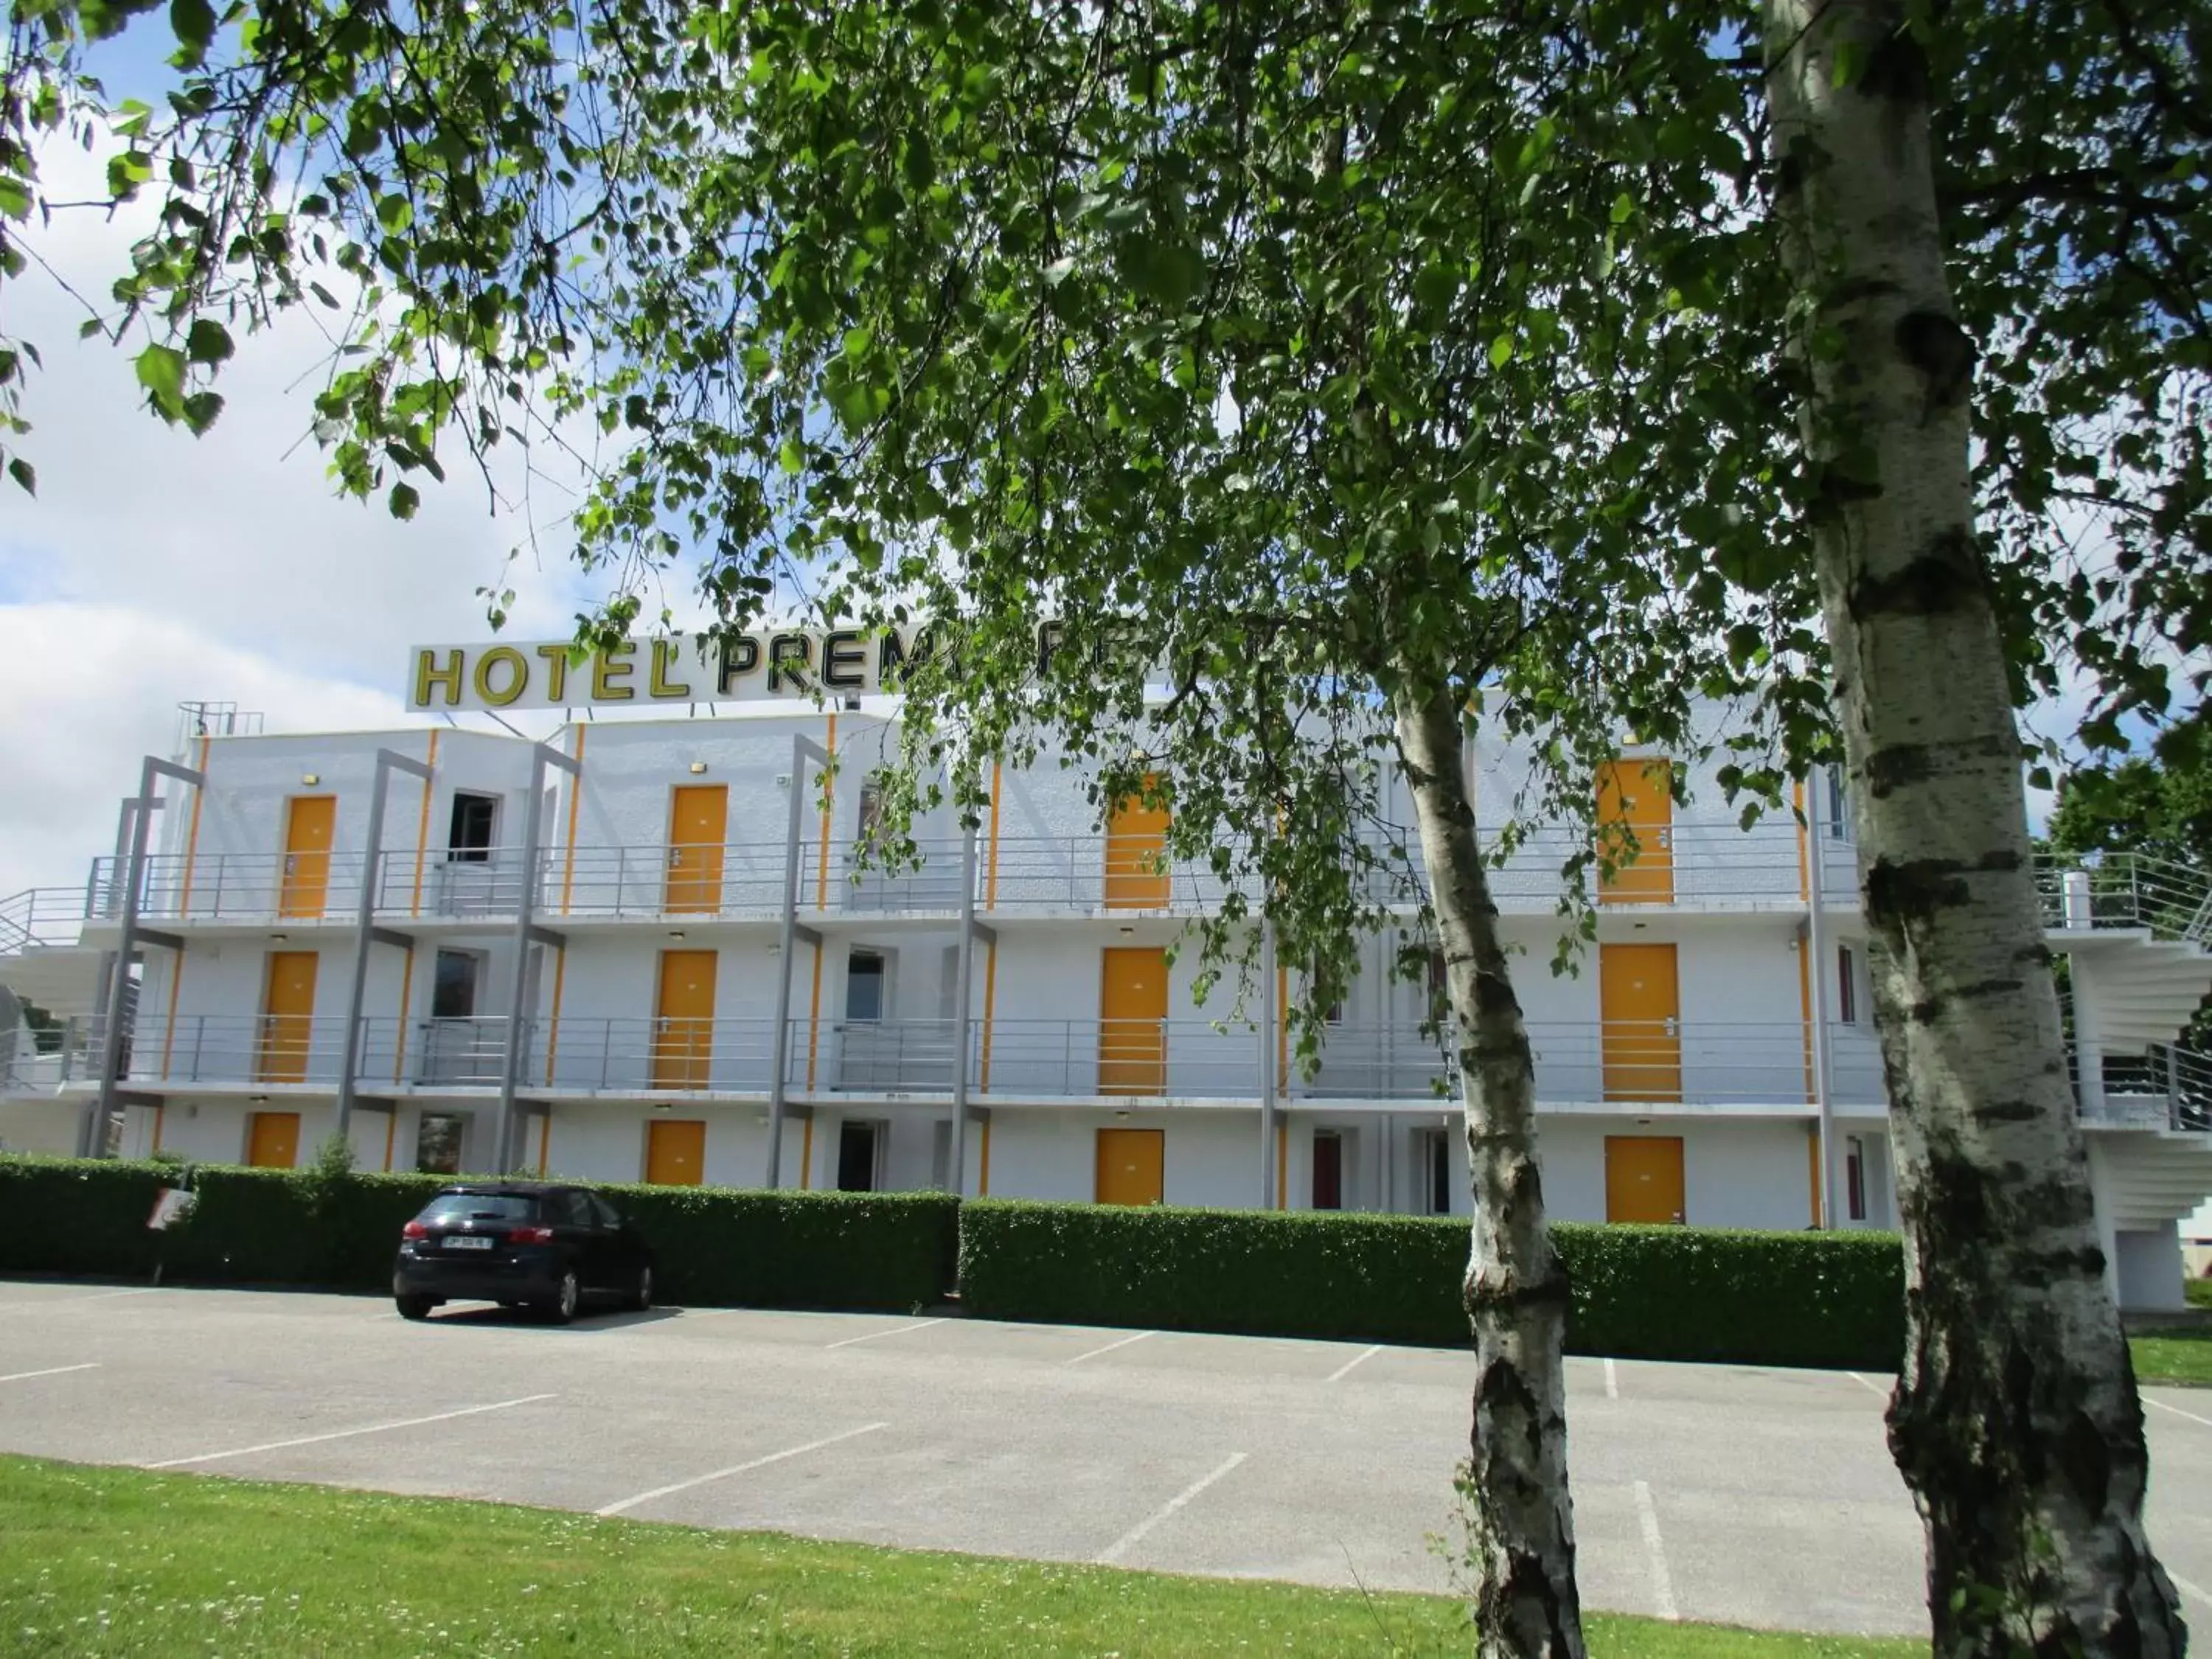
{"x":480,"y":1206}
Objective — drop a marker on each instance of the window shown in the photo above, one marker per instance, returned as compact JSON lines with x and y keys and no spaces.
{"x":454,"y":988}
{"x":469,"y":839}
{"x":872,"y":807}
{"x":448,"y":1207}
{"x":1838,"y":813}
{"x":1436,"y":1171}
{"x":1855,"y":1204}
{"x":1328,"y":1169}
{"x":940,"y":1155}
{"x":438,"y":1144}
{"x":574,"y":1209}
{"x":603,"y":1212}
{"x":1333,"y":1013}
{"x":863,"y":986}
{"x":856,"y":1156}
{"x":1847,"y":986}
{"x":1439,"y":989}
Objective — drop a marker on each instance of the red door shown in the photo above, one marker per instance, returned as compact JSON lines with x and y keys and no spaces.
{"x":1327,"y":1170}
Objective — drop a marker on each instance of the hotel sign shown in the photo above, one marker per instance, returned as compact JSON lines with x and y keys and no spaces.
{"x":796,"y":663}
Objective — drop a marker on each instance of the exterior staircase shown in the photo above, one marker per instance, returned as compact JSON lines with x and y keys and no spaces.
{"x":2141,"y":929}
{"x":40,"y":958}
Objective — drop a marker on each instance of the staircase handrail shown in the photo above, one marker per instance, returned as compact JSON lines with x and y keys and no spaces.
{"x":2171,"y":899}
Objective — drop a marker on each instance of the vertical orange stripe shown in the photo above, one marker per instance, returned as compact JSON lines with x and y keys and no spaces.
{"x":160,"y":1112}
{"x":192,"y":835}
{"x":1282,"y":1030}
{"x":983,"y":1186}
{"x":569,"y":861}
{"x":1282,"y":1164}
{"x":991,"y":885}
{"x":544,"y":1138}
{"x":422,"y":828}
{"x":391,"y":1133}
{"x":990,"y":999}
{"x":814,"y":1021}
{"x":1805,"y":1011}
{"x":406,"y":991}
{"x":828,"y":800}
{"x":806,"y":1155}
{"x":553,"y":1027}
{"x":1813,"y":1174}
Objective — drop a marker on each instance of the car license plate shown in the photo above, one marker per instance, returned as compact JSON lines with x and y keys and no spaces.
{"x":465,"y":1241}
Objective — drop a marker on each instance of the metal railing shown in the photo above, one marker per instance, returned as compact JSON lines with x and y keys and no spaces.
{"x":2167,"y":1087}
{"x":2124,"y":890}
{"x":1658,"y":1063}
{"x":1694,"y":864}
{"x":39,"y":918}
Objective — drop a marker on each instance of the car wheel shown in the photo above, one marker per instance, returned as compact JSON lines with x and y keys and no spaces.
{"x":415,"y":1307}
{"x":566,"y":1296}
{"x":641,"y":1299}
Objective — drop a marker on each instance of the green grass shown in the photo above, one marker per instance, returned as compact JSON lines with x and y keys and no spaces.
{"x":105,"y":1561}
{"x":2199,"y":1292}
{"x":2182,"y":1357}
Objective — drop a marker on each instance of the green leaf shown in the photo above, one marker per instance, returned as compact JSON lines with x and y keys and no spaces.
{"x":162,"y":372}
{"x":1623,"y":208}
{"x":395,"y":214}
{"x":404,"y":500}
{"x":192,"y":21}
{"x":21,"y":470}
{"x":1501,"y":351}
{"x":14,"y":199}
{"x":208,"y":342}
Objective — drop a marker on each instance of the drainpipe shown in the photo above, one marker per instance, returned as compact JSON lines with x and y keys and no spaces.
{"x":1816,"y":942}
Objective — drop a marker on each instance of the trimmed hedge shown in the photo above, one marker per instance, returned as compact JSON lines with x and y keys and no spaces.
{"x":711,"y":1245}
{"x":1680,"y":1293}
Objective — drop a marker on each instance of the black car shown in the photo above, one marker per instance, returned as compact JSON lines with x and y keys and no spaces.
{"x":523,"y":1243}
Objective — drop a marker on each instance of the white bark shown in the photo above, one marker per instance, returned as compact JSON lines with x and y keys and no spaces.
{"x":2016,"y":1423}
{"x":1521,"y":1522}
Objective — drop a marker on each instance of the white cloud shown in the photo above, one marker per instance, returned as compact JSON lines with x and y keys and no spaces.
{"x":152,"y":567}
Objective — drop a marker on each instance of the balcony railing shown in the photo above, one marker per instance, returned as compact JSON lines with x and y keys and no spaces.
{"x":1654,"y":1063}
{"x":2121,"y":890}
{"x":2167,"y":1087}
{"x":1693,"y":864}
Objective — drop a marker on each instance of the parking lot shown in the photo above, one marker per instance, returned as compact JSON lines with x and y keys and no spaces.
{"x":1708,"y":1493}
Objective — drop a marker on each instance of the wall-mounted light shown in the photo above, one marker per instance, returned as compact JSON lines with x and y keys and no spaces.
{"x":1129,"y":930}
{"x":663,"y":1106}
{"x":697,"y":767}
{"x":311,"y":779}
{"x":256,"y":1100}
{"x":676,"y":932}
{"x":278,"y":938}
{"x":1120,"y":1115}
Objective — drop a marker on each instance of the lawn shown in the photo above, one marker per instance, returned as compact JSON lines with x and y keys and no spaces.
{"x":2182,"y":1357}
{"x":105,"y":1561}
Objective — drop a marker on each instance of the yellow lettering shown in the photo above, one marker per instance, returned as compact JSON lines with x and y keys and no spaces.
{"x":557,"y":671}
{"x":664,"y":658}
{"x":518,"y":671}
{"x":608,"y":667}
{"x":426,"y":675}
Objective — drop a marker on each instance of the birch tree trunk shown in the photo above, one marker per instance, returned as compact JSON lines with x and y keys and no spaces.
{"x":1521,"y":1526}
{"x":2016,"y":1423}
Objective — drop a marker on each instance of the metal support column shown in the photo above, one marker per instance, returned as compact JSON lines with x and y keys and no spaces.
{"x":802,"y":751}
{"x":131,"y":933}
{"x":1267,"y":1016}
{"x":963,"y":983}
{"x":366,"y":932}
{"x":1816,"y":943}
{"x":527,"y":933}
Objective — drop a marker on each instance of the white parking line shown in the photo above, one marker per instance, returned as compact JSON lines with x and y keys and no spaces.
{"x":2188,"y":1588}
{"x":738,"y":1469}
{"x":1109,"y":1347}
{"x":1345,"y":1369}
{"x":1130,"y":1540}
{"x":896,"y":1330}
{"x":1663,"y":1587}
{"x":2177,"y":1412}
{"x":1868,"y":1384}
{"x":345,"y":1434}
{"x":50,"y":1370}
{"x":1612,"y":1381}
{"x":34,"y":1304}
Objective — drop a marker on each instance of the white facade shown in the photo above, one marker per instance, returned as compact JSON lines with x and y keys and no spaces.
{"x":655,"y":958}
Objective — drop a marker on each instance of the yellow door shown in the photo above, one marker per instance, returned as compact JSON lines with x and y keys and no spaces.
{"x":310,"y":822}
{"x":1132,"y":1164}
{"x":1639,"y":1010}
{"x":1634,"y":793}
{"x":1136,"y":843}
{"x":272,"y":1140}
{"x":684,"y":1020}
{"x":287,"y":1018}
{"x":674,"y":1152}
{"x":698,"y":820}
{"x":1643,"y":1178}
{"x":1132,"y":1012}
